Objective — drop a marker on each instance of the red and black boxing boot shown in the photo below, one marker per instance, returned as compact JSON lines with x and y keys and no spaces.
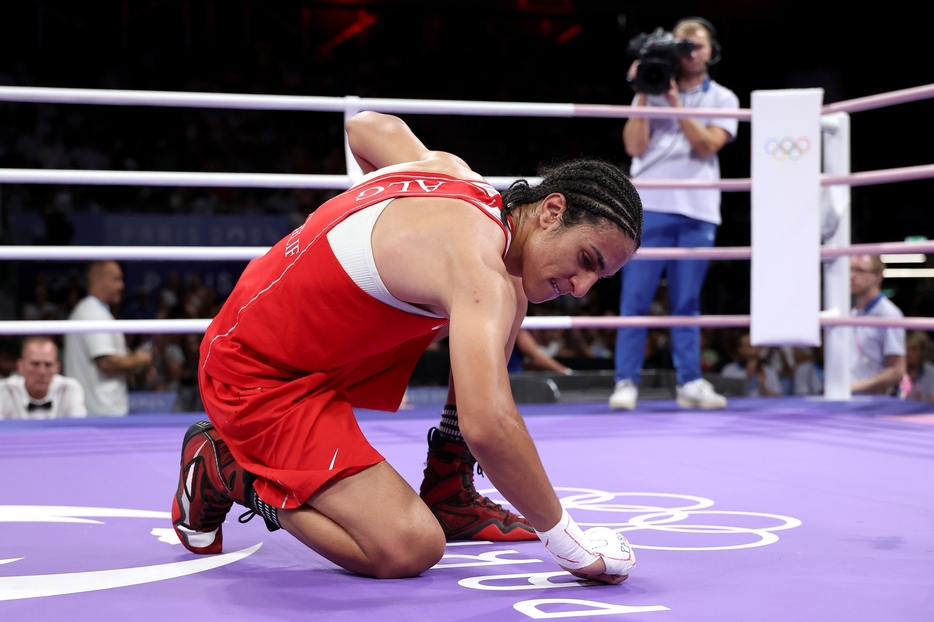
{"x":449,"y":492}
{"x":210,"y":481}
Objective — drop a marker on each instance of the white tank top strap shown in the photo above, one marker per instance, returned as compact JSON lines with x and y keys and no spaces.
{"x":351,"y":243}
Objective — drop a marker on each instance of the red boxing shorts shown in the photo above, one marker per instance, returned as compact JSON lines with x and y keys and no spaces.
{"x":295,"y":437}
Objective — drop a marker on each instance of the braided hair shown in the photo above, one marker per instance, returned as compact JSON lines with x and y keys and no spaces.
{"x":595,"y":190}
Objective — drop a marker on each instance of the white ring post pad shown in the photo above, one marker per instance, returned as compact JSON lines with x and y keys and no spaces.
{"x":785,"y":262}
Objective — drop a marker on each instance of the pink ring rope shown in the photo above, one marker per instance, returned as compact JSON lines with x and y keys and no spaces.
{"x":709,"y":321}
{"x":882,"y":100}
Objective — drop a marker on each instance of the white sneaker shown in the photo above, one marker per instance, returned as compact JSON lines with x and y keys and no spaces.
{"x":699,"y":394}
{"x":625,"y":395}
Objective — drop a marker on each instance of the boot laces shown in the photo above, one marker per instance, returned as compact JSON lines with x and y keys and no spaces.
{"x":214,"y":503}
{"x":471,"y":491}
{"x":246,"y":516}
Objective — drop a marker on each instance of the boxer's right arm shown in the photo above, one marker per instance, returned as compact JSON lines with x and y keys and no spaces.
{"x":380,"y":140}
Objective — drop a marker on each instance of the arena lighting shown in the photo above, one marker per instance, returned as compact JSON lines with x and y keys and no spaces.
{"x":570,"y":33}
{"x":909,"y":258}
{"x":364,"y":21}
{"x":908,"y":273}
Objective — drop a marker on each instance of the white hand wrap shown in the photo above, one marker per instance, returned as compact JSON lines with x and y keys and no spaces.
{"x":566,"y":543}
{"x":613,"y":547}
{"x":574,"y":549}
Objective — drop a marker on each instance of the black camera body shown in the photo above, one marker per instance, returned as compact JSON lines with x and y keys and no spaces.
{"x":658,"y":55}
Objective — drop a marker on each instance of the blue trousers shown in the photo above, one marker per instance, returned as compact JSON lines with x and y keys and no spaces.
{"x":684,"y":278}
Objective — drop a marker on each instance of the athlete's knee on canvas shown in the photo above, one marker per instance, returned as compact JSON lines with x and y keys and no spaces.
{"x":410,"y":549}
{"x":411,"y":563}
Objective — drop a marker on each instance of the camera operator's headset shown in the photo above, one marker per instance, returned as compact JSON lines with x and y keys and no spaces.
{"x":715,"y":51}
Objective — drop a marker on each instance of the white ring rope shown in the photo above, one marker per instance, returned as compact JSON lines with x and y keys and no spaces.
{"x":281,"y":180}
{"x":176,"y":99}
{"x":183,"y":179}
{"x":152,"y":327}
{"x":171,"y":178}
{"x":134,"y":327}
{"x":241,"y":101}
{"x":133,"y":253}
{"x":246,"y":253}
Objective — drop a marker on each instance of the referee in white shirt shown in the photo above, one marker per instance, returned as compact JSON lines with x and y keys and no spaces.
{"x":101,"y":361}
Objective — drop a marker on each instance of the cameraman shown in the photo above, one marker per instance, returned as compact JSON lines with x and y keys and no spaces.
{"x":675,"y":149}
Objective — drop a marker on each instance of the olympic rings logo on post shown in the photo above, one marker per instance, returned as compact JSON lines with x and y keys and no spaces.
{"x":787,"y":148}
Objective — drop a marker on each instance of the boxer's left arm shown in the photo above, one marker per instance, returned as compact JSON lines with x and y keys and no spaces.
{"x":483,"y":319}
{"x":522,"y":308}
{"x":522,"y":304}
{"x":482,"y":315}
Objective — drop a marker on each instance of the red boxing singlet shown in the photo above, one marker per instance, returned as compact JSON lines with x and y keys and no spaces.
{"x":297,"y":344}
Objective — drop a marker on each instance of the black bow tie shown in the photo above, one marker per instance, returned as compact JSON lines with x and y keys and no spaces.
{"x":43,"y":406}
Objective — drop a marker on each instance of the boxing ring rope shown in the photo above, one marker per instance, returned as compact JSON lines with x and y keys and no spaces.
{"x":307,"y":103}
{"x":246,"y":253}
{"x":537,"y":322}
{"x":350,"y":105}
{"x":882,"y":100}
{"x":342,"y":182}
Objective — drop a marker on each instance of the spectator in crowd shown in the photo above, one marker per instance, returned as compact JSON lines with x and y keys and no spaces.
{"x":877,"y":359}
{"x":808,"y":375}
{"x":602,"y":340}
{"x":140,"y":307}
{"x":920,"y":367}
{"x":41,"y":308}
{"x":73,"y":296}
{"x":170,"y":296}
{"x":575,"y":345}
{"x":528,"y":354}
{"x":189,"y":395}
{"x":713,"y":353}
{"x":38,"y":391}
{"x":782,"y":360}
{"x":168,"y":364}
{"x":196,"y":297}
{"x":551,"y":340}
{"x":101,"y":361}
{"x":761,"y":379}
{"x":683,"y":148}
